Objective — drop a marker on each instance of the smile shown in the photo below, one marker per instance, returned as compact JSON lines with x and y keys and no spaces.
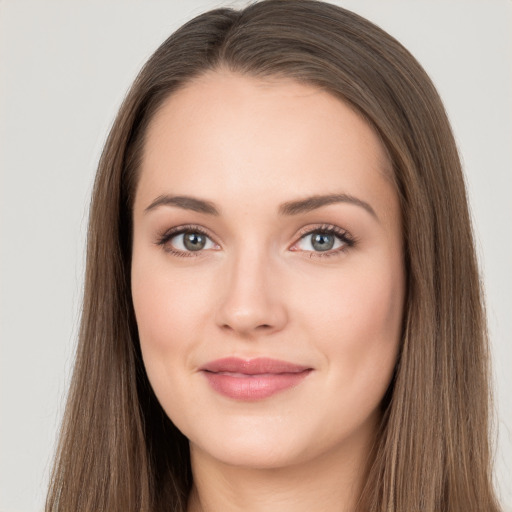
{"x":253,"y":379}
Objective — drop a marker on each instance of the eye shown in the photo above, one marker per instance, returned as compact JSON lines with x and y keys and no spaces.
{"x":186,"y":240}
{"x":191,"y":241}
{"x":326,"y":239}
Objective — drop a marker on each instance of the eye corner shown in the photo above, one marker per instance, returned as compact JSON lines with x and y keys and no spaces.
{"x":179,"y":248}
{"x":343,"y":240}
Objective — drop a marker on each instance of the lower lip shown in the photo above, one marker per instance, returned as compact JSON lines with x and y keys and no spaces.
{"x":253,"y":387}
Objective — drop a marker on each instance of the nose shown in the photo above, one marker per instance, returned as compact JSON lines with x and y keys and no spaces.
{"x":251,"y":302}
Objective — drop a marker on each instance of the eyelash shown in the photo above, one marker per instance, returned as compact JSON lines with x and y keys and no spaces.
{"x":171,"y":233}
{"x":329,"y":229}
{"x":325,"y":229}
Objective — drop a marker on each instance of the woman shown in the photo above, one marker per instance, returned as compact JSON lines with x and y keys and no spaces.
{"x":282,"y":307}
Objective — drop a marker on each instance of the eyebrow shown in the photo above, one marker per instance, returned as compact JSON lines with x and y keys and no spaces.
{"x":312,"y":203}
{"x":289,"y":208}
{"x":184,"y":202}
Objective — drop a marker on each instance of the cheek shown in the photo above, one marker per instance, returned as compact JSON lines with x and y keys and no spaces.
{"x":367,"y":297}
{"x":356,"y":321}
{"x":167,"y":304}
{"x":167,"y":309}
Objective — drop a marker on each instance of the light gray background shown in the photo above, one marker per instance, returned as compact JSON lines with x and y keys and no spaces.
{"x":64,"y":68}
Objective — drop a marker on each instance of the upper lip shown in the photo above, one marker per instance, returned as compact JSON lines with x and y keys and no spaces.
{"x":260,"y":365}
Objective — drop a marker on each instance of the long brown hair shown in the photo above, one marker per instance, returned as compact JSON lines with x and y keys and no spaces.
{"x":118,"y":450}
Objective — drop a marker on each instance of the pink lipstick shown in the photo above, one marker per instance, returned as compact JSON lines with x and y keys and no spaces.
{"x":252,"y":379}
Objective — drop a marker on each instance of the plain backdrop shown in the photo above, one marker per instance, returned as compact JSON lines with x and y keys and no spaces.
{"x":64,"y":69}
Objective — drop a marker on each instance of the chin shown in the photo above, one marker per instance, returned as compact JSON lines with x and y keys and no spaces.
{"x":250,"y":455}
{"x":252,"y":447}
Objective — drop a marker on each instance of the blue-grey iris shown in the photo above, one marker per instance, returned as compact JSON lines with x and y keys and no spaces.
{"x":322,"y":241}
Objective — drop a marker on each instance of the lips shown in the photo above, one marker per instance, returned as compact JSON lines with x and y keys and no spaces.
{"x":253,"y":379}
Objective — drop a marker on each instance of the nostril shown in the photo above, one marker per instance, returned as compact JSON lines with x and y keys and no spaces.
{"x":262,"y":327}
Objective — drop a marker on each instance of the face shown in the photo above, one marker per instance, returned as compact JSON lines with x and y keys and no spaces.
{"x":267,"y":270}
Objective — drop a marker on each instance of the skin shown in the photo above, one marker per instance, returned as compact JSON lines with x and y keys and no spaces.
{"x":260,"y":289}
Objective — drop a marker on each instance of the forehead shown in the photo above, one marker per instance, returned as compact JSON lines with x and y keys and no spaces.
{"x":228,"y":135}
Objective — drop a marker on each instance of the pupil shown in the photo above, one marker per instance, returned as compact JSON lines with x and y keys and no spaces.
{"x":323,"y":242}
{"x":194,"y":241}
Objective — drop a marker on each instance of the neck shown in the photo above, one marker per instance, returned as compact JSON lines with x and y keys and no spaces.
{"x":331,"y":482}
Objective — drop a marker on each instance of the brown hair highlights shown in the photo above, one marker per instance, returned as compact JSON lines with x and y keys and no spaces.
{"x":118,"y":450}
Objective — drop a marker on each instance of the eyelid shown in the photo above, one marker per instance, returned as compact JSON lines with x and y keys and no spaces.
{"x":342,"y":234}
{"x":307,"y":230}
{"x":169,"y":234}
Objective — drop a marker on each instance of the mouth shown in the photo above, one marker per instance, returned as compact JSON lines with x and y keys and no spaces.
{"x":253,"y":379}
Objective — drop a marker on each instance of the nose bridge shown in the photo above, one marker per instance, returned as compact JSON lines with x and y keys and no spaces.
{"x":250,"y":300}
